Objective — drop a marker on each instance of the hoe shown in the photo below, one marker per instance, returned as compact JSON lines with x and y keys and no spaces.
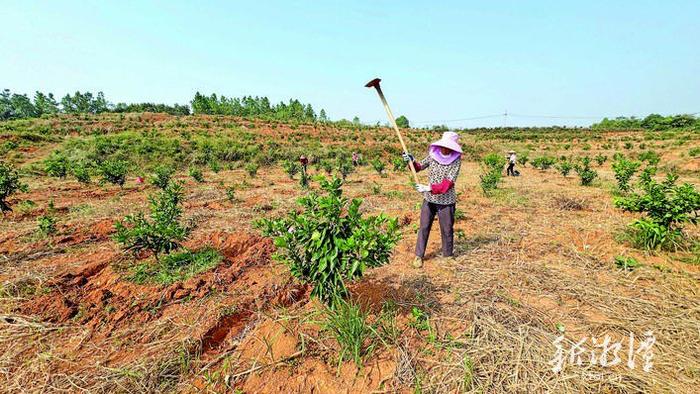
{"x":375,"y":84}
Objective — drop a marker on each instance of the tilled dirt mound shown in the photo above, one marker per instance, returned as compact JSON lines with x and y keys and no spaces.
{"x":96,"y":295}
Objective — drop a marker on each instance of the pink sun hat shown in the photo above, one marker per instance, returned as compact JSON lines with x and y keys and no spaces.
{"x":449,"y":140}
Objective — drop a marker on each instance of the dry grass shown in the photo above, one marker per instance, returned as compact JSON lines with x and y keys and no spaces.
{"x":535,"y":258}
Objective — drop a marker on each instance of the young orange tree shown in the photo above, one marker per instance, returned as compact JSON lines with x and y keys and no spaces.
{"x":329,"y":242}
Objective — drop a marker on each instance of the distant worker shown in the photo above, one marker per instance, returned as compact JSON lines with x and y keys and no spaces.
{"x":355,"y":159}
{"x":511,"y":163}
{"x":304,"y":162}
{"x":439,"y":197}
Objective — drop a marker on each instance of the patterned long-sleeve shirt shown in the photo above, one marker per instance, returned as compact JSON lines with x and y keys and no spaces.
{"x":442,"y":179}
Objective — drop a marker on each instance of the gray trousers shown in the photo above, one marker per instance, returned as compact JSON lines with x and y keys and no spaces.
{"x":446,"y":216}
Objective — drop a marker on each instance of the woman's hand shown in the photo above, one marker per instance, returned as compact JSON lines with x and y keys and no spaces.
{"x":407,"y":157}
{"x":420,"y":188}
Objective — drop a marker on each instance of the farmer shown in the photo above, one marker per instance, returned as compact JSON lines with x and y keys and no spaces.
{"x":304,"y":162}
{"x":355,"y":159}
{"x":439,"y":198}
{"x":511,"y":163}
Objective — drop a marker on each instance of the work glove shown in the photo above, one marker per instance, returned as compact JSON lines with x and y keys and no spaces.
{"x":407,"y":157}
{"x":420,"y":188}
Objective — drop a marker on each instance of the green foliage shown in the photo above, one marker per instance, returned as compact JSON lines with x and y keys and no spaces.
{"x":564,"y":167}
{"x":161,"y":176}
{"x":667,"y":208}
{"x":175,"y":267}
{"x":348,"y":324}
{"x":489,"y":181}
{"x":419,"y":319}
{"x":47,"y":224}
{"x":231,"y":194}
{"x":81,"y":172}
{"x":523,"y":158}
{"x":114,"y":171}
{"x":304,"y":179}
{"x":694,"y":152}
{"x":624,"y":170}
{"x":626,"y":263}
{"x":345,"y":167}
{"x":601,"y":159}
{"x":196,"y":174}
{"x":584,"y":171}
{"x":651,"y":122}
{"x":665,"y":203}
{"x":252,"y":169}
{"x":494,"y":162}
{"x":253,"y":107}
{"x":403,"y":122}
{"x":543,"y":162}
{"x":291,"y":168}
{"x":651,"y":157}
{"x":378,"y":166}
{"x":9,"y":185}
{"x":329,"y":242}
{"x":56,"y":165}
{"x":398,"y":163}
{"x":162,"y":232}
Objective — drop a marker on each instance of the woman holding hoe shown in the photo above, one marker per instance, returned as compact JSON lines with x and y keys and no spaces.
{"x":439,"y":197}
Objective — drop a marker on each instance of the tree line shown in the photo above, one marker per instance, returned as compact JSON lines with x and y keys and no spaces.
{"x":258,"y":107}
{"x":20,"y":106}
{"x":651,"y":122}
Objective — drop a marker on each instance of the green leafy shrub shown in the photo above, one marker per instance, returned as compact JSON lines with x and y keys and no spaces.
{"x":378,"y":166}
{"x":523,"y":158}
{"x":47,"y":224}
{"x":651,"y":157}
{"x":56,"y":165}
{"x":345,"y":167}
{"x":489,"y":181}
{"x":349,"y":326}
{"x":162,"y":232}
{"x":214,"y":166}
{"x":291,"y":168}
{"x":161,"y":176}
{"x":231,"y":194}
{"x":399,"y":164}
{"x":624,"y":170}
{"x":565,"y":167}
{"x":304,"y":180}
{"x":584,"y":171}
{"x":694,"y":152}
{"x":543,"y":162}
{"x":494,"y":162}
{"x":114,"y":171}
{"x":175,"y":267}
{"x":196,"y":174}
{"x":9,"y":185}
{"x":601,"y":159}
{"x":329,"y":242}
{"x":81,"y":172}
{"x":667,"y":208}
{"x":252,"y":169}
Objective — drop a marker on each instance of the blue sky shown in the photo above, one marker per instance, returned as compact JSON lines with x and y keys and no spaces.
{"x":439,"y":60}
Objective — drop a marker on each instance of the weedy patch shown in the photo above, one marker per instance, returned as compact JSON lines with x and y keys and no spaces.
{"x":175,"y":267}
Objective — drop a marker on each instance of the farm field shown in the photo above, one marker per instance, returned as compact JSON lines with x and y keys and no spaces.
{"x":538,"y":257}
